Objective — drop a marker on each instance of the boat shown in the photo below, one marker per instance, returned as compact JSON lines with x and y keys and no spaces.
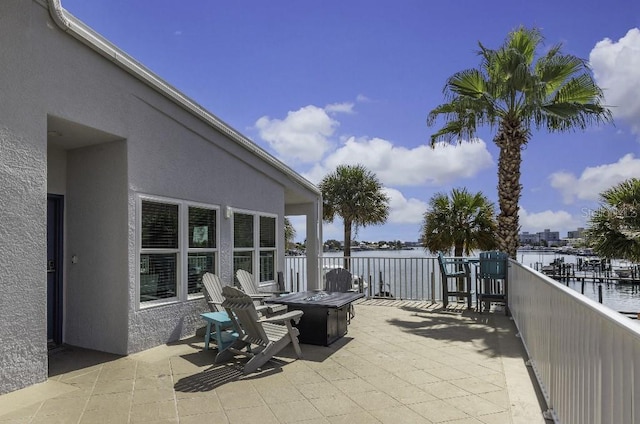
{"x":626,"y":270}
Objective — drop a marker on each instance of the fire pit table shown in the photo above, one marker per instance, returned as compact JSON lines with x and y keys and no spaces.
{"x":326,"y":314}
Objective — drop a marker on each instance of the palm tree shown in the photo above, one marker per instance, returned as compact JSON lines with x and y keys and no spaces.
{"x":461,"y":220}
{"x":355,"y":194}
{"x":516,"y":93}
{"x":614,"y":229}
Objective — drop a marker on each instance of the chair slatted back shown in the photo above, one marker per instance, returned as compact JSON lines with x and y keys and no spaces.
{"x":443,"y":269}
{"x":213,"y":291}
{"x":339,"y":280}
{"x":493,"y":265}
{"x":452,"y":267}
{"x":242,"y":311}
{"x":246,"y":282}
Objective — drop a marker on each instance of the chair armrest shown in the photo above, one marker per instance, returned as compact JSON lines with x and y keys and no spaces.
{"x":262,"y":308}
{"x":291,"y":315}
{"x":275,"y":292}
{"x":217,"y":305}
{"x":261,"y":296}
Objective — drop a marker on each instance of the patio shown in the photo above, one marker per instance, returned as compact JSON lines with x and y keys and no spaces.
{"x":401,"y":362}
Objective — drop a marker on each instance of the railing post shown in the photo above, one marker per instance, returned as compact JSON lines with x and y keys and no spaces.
{"x":433,"y":287}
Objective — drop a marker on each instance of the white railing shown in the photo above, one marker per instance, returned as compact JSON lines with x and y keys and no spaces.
{"x":585,"y":356}
{"x":401,"y":278}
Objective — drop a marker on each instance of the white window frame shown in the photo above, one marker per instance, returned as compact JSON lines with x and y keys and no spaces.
{"x":256,"y":249}
{"x":182,"y":251}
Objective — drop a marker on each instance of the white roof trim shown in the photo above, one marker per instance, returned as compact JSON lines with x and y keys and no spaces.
{"x":89,"y":37}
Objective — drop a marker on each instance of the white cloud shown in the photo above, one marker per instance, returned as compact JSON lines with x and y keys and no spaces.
{"x":594,"y":180}
{"x":339,"y":108}
{"x":303,"y":136}
{"x":361,"y":98}
{"x":401,"y":166}
{"x":616,"y":68}
{"x":403,"y":210}
{"x":554,"y":220}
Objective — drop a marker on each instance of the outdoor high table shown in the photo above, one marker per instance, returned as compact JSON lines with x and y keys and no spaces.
{"x":325,"y":317}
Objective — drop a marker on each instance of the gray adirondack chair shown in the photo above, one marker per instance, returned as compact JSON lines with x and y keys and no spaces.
{"x":339,"y":280}
{"x":258,"y":338}
{"x":213,"y":291}
{"x":249,"y":286}
{"x":214,"y":297}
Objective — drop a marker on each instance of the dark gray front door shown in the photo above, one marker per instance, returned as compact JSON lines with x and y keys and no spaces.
{"x":54,"y":268}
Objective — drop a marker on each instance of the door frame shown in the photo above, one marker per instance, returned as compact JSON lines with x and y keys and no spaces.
{"x":58,"y":222}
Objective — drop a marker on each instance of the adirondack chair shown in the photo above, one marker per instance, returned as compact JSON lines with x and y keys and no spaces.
{"x":455,"y":269}
{"x":258,"y":338}
{"x":249,"y":286}
{"x":214,"y":297}
{"x":491,"y":280}
{"x":213,"y":291}
{"x":339,"y":280}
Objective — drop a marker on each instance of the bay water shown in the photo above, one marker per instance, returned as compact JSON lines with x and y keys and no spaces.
{"x":619,"y":297}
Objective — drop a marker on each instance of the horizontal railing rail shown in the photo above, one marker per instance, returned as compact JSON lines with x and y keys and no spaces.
{"x":586,"y":357}
{"x":414,"y":278}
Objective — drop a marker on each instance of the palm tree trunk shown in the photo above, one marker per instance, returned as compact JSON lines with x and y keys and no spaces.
{"x":347,"y":243}
{"x":510,"y":139}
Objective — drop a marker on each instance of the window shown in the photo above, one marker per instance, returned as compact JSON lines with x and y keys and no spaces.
{"x":254,"y":244}
{"x":267,"y":248}
{"x":202,"y":246}
{"x":163,"y":250}
{"x":159,"y":251}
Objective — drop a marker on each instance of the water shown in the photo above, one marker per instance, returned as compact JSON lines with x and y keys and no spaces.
{"x":619,"y":297}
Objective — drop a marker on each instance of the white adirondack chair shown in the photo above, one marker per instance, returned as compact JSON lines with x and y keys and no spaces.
{"x":258,"y":338}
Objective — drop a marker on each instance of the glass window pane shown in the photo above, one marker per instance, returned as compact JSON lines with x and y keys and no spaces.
{"x":158,"y":276}
{"x":267,"y":231}
{"x":242,"y":230}
{"x":202,"y":228}
{"x":159,"y":225}
{"x":267,"y":266}
{"x":199,"y":263}
{"x":242,"y":260}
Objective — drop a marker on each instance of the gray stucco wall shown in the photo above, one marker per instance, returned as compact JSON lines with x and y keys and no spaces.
{"x":23,"y":350}
{"x":173,"y":155}
{"x":165,"y":152}
{"x":97,"y":220}
{"x":23,"y":347}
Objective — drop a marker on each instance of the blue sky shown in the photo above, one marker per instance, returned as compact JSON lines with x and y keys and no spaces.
{"x":319,"y":84}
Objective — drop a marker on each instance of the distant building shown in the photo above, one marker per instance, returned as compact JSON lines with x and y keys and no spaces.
{"x":551,"y":237}
{"x":527,"y":238}
{"x":579,"y":233}
{"x":546,"y":237}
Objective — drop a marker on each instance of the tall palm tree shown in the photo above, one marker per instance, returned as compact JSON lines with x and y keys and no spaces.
{"x":516,"y":93}
{"x":462,"y":220}
{"x":355,"y":194}
{"x":614,"y":228}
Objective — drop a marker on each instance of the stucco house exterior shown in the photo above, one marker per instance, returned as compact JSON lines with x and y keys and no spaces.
{"x":117,"y":194}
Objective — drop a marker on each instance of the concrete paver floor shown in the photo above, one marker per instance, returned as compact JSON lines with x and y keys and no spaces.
{"x":408,"y":362}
